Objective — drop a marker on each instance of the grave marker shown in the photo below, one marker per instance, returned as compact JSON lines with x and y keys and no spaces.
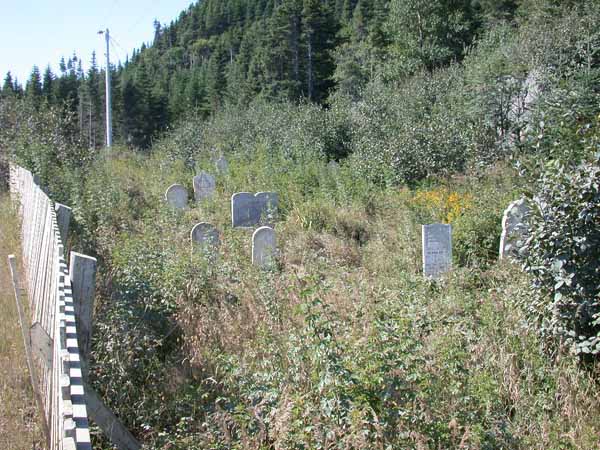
{"x":514,"y":228}
{"x":249,"y":210}
{"x":205,"y":237}
{"x":222,"y":165}
{"x":437,"y":249}
{"x":267,"y":204}
{"x":204,"y":186}
{"x":243,"y":210}
{"x":177,"y":196}
{"x":264,"y":247}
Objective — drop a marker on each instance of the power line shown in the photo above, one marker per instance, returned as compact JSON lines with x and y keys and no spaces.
{"x":141,"y":18}
{"x":110,"y":10}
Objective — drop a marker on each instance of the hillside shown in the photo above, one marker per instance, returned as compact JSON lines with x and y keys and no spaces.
{"x":424,"y":112}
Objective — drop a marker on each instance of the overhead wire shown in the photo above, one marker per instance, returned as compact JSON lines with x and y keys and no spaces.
{"x":109,"y":11}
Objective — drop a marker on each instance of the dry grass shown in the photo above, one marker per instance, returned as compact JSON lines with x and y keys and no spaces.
{"x":19,"y":427}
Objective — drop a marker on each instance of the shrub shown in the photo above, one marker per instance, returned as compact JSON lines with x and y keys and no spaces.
{"x":563,"y":256}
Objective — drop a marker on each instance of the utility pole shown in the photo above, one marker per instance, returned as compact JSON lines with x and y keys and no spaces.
{"x":108,"y":91}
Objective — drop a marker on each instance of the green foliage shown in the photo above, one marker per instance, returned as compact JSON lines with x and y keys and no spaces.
{"x":345,"y":345}
{"x":422,"y":128}
{"x":563,"y":256}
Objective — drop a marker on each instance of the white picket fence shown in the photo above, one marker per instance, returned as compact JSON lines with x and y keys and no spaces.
{"x":54,"y":339}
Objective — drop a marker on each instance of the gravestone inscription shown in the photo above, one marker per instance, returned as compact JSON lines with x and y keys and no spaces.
{"x":264,"y":247}
{"x":437,"y":249}
{"x":177,"y":196}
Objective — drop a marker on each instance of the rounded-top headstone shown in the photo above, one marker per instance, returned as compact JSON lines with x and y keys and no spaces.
{"x":264,"y":247}
{"x":204,"y":186}
{"x":205,"y":235}
{"x":177,"y":196}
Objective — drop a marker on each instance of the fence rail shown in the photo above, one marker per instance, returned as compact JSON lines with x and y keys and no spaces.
{"x":53,"y":335}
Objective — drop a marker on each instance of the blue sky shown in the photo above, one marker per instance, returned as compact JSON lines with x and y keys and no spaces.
{"x":39,"y":32}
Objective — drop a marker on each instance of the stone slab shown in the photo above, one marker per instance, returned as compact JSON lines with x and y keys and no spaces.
{"x":205,"y":236}
{"x":204,"y":186}
{"x":514,"y":228}
{"x":177,"y":196}
{"x":437,"y":249}
{"x":264,"y":247}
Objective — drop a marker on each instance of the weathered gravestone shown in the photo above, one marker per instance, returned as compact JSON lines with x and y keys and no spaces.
{"x":244,"y":212}
{"x":177,"y":196}
{"x":204,"y":186}
{"x":247,"y":210}
{"x":437,"y":249}
{"x":514,"y":228}
{"x":222,"y":165}
{"x":205,"y":237}
{"x":267,"y":203}
{"x":264,"y":247}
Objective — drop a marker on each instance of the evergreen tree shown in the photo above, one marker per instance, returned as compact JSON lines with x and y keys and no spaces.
{"x":319,"y":30}
{"x":48,"y":85}
{"x":429,"y":33}
{"x":8,"y":87}
{"x":33,"y":88}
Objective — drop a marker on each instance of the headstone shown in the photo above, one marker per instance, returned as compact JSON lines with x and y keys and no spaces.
{"x":204,"y":186}
{"x":222,"y":165}
{"x":437,"y":249}
{"x":514,"y":228}
{"x":264,"y":247}
{"x":177,"y":196}
{"x":249,"y":210}
{"x":267,"y":204}
{"x":333,"y":165}
{"x":244,"y":212}
{"x":205,"y":237}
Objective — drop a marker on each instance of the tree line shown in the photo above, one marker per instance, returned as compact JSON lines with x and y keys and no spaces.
{"x":232,"y":51}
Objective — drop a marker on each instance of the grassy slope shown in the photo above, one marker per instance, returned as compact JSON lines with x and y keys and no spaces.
{"x":19,"y":428}
{"x":345,"y":344}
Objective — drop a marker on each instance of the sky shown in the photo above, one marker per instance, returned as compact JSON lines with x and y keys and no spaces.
{"x":40,"y":32}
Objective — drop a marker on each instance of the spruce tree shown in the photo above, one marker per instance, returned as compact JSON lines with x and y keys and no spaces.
{"x":33,"y":88}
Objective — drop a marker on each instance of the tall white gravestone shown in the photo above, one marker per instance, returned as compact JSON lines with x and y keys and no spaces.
{"x":177,"y":196}
{"x":437,"y":249}
{"x":204,"y":186}
{"x":264,"y":247}
{"x":514,"y":228}
{"x":205,"y":237}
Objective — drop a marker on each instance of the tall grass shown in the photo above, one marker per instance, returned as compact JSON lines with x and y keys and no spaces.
{"x":19,"y":420}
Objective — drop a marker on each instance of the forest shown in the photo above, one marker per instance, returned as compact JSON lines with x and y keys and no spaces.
{"x":369,"y":118}
{"x":233,"y":51}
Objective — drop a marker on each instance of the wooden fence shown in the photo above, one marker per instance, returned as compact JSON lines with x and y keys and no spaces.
{"x":53,"y":346}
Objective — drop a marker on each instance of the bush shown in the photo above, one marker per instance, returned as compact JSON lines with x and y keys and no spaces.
{"x":563,"y":256}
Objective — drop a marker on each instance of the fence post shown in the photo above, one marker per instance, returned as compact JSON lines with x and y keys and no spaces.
{"x":63,"y":217}
{"x":82,"y":271}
